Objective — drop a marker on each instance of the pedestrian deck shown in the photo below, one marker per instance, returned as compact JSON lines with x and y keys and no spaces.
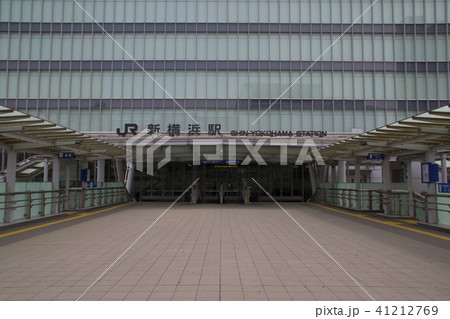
{"x":228,"y":252}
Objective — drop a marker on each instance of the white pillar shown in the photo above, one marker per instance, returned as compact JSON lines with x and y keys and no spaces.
{"x":312,"y":177}
{"x":410,"y":180}
{"x":100,"y":173}
{"x":358,"y":184}
{"x":67,"y":184}
{"x":342,"y":178}
{"x":119,"y":171}
{"x":130,"y":177}
{"x":333,"y":174}
{"x":10,"y":185}
{"x":386,"y":173}
{"x":55,"y":184}
{"x":45,"y":170}
{"x":444,"y":168}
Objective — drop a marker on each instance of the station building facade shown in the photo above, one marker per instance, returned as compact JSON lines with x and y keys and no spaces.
{"x":316,"y":66}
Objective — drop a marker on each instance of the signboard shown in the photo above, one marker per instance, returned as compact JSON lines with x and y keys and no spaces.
{"x":85,"y":175}
{"x":444,"y":188}
{"x":375,"y":156}
{"x":66,"y":155}
{"x":430,"y":173}
{"x":220,"y":162}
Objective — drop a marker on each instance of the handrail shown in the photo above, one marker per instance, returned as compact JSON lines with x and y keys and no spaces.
{"x":34,"y":204}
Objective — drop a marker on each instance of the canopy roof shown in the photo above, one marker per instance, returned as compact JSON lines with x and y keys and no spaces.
{"x":23,"y":132}
{"x":410,"y":137}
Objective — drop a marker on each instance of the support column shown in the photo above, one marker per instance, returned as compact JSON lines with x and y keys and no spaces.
{"x":358,"y":184}
{"x":119,"y":171}
{"x":333,"y":173}
{"x":129,"y":177}
{"x":386,"y":173}
{"x":313,"y":178}
{"x":410,"y":180}
{"x":444,"y":168}
{"x":10,"y":185}
{"x":67,"y":185}
{"x":45,"y":170}
{"x":55,"y":184}
{"x":342,"y":178}
{"x":100,"y":173}
{"x":430,"y":157}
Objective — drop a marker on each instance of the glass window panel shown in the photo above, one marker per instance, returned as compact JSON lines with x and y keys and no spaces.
{"x":274,"y":47}
{"x":296,"y":91}
{"x":379,"y":85}
{"x":274,"y":85}
{"x":377,"y":49}
{"x":285,"y":48}
{"x":399,"y":48}
{"x":443,"y":86}
{"x":388,"y":48}
{"x":420,"y":47}
{"x":409,"y":50}
{"x":222,"y":85}
{"x":212,"y":11}
{"x":284,"y":11}
{"x":253,"y":47}
{"x":117,"y":85}
{"x":442,"y":48}
{"x":87,"y":48}
{"x":440,"y":11}
{"x":158,"y":92}
{"x":149,"y":86}
{"x":128,"y":85}
{"x":211,"y":85}
{"x":23,"y":85}
{"x":422,"y":85}
{"x":190,"y":85}
{"x":357,"y":47}
{"x":294,"y":10}
{"x":274,"y":11}
{"x":348,"y":85}
{"x":264,"y":47}
{"x":326,"y":43}
{"x":43,"y":85}
{"x":411,"y":85}
{"x":359,"y":85}
{"x":243,"y":47}
{"x":180,"y":85}
{"x":160,"y":11}
{"x":137,"y":86}
{"x":408,"y":12}
{"x":65,"y":85}
{"x":232,"y":86}
{"x":327,"y":85}
{"x":432,"y":86}
{"x":181,"y":11}
{"x":180,"y":53}
{"x":400,"y":86}
{"x":398,"y":9}
{"x":337,"y":85}
{"x":5,"y":11}
{"x":264,"y":90}
{"x":172,"y":10}
{"x":170,"y":47}
{"x":24,"y":46}
{"x":55,"y":81}
{"x":232,"y":11}
{"x":86,"y":85}
{"x":201,"y":47}
{"x":431,"y":47}
{"x":347,"y":46}
{"x":76,"y":47}
{"x":325,"y":11}
{"x":192,"y":46}
{"x":223,"y":11}
{"x":368,"y":85}
{"x":169,"y":84}
{"x":263,"y":12}
{"x":34,"y":84}
{"x":98,"y":10}
{"x":159,"y":48}
{"x":419,"y":12}
{"x":315,"y":46}
{"x":75,"y":85}
{"x":390,"y":87}
{"x":387,"y":11}
{"x":305,"y":84}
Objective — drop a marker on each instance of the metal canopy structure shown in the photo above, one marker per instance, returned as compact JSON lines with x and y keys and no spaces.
{"x":23,"y":132}
{"x":411,"y":137}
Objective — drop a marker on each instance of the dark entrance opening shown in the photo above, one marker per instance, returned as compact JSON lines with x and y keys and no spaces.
{"x":282,"y":182}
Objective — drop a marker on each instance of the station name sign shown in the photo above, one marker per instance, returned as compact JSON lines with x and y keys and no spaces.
{"x":215,"y":130}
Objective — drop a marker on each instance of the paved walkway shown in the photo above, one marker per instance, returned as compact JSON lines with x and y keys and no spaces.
{"x":230,"y":252}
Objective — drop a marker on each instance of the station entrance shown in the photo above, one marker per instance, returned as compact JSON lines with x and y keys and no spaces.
{"x":224,"y":183}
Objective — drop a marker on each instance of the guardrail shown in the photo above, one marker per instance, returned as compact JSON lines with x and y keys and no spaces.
{"x":396,"y":203}
{"x":37,"y":204}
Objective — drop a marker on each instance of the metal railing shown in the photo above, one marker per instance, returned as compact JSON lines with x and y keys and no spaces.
{"x":22,"y":206}
{"x":396,"y":203}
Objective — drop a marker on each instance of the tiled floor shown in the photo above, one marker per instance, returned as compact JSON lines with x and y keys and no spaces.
{"x":230,"y":252}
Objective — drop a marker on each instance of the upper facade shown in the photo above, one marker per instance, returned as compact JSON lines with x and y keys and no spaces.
{"x":333,"y":67}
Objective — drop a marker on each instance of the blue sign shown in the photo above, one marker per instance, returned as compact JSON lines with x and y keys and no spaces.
{"x":375,"y":156}
{"x":220,"y":162}
{"x":430,"y":173}
{"x":444,"y":188}
{"x":66,"y":155}
{"x":85,"y":175}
